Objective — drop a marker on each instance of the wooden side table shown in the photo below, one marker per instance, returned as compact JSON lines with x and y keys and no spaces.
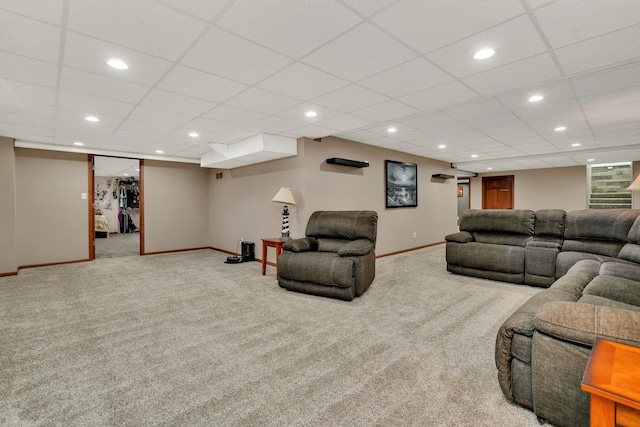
{"x":613,"y":379}
{"x":274,"y":243}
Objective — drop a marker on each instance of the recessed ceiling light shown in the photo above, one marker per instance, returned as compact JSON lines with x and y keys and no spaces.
{"x":117,"y":64}
{"x":474,"y":155}
{"x":576,"y":144}
{"x":137,"y":170}
{"x":78,"y":143}
{"x":159,"y":152}
{"x":591,"y":160}
{"x":484,"y":53}
{"x":489,"y":169}
{"x":194,"y":134}
{"x":126,"y":174}
{"x":560,"y":128}
{"x":392,"y":130}
{"x":442,"y":146}
{"x":536,"y":98}
{"x":92,"y":119}
{"x":310,"y":114}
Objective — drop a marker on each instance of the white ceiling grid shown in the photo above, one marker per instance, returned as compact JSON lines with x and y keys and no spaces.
{"x":230,"y":69}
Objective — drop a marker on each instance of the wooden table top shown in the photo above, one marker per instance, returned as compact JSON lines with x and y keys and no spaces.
{"x":613,"y":372}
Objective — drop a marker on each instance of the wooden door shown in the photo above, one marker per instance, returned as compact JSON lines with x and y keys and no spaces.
{"x":497,"y":192}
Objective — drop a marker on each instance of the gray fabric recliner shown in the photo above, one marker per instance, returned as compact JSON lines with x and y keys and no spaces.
{"x":336,"y":259}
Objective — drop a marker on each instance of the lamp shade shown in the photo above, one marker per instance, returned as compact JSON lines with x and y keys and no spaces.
{"x":284,"y":196}
{"x":635,"y":185}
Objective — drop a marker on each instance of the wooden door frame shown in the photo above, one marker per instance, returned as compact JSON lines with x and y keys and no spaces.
{"x":91,"y":198}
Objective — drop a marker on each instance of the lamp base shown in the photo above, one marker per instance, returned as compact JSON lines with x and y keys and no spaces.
{"x":285,"y":237}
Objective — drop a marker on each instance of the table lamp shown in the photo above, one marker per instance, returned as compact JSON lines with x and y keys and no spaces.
{"x":635,"y":185}
{"x":285,"y":196}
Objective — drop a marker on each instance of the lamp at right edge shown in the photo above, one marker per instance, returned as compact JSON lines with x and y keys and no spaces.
{"x":635,"y":186}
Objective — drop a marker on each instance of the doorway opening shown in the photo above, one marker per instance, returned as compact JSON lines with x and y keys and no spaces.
{"x":464,"y":200}
{"x":117,"y":202}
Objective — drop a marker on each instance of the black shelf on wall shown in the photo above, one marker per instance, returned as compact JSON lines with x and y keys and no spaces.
{"x":442,"y":176}
{"x":347,"y":162}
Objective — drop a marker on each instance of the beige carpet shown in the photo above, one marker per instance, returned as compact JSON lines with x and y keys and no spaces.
{"x":118,"y":245}
{"x":184,"y":339}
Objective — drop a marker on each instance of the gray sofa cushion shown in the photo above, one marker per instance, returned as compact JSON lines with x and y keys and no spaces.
{"x":331,"y":245}
{"x":303,"y":244}
{"x":502,"y":258}
{"x":550,"y":222}
{"x":520,"y":221}
{"x":605,"y":224}
{"x":358,"y":247}
{"x":324,"y":268}
{"x":346,"y":225}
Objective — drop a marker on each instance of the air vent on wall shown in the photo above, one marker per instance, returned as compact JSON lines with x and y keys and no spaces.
{"x":347,"y":162}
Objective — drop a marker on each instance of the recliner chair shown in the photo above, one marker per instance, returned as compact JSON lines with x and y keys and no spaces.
{"x":336,"y":259}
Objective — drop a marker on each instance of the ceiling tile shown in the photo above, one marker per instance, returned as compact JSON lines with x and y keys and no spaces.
{"x":275,"y":124}
{"x":148,"y":131}
{"x":360,"y":53}
{"x":604,"y":50}
{"x":226,"y":113}
{"x":345,"y":122}
{"x":553,"y":93}
{"x":262,"y":101}
{"x":360,"y":135}
{"x":410,"y":77}
{"x":143,"y":25}
{"x":214,"y":126}
{"x":95,"y":85}
{"x":291,"y":27}
{"x":302,"y":82}
{"x":93,"y":105}
{"x":90,"y":54}
{"x":473,"y":110}
{"x":569,"y":21}
{"x":440,"y":96}
{"x":298,"y":113}
{"x":607,"y":81}
{"x":169,"y":101}
{"x":27,"y":92}
{"x":198,"y":84}
{"x":203,"y":9}
{"x":162,"y":117}
{"x":429,"y":25}
{"x":28,"y":37}
{"x":368,"y":7}
{"x":43,"y":10}
{"x":27,"y":70}
{"x":235,"y":58}
{"x":493,"y":121}
{"x":350,"y":98}
{"x":27,"y":108}
{"x":513,"y":40}
{"x":76,"y":119}
{"x":529,"y":71}
{"x":389,"y":110}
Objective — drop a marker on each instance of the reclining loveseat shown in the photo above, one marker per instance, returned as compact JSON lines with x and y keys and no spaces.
{"x":591,"y":262}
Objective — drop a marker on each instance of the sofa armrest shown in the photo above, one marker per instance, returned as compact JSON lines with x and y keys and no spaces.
{"x":358,"y":247}
{"x":582,"y":323}
{"x":304,"y":244}
{"x":459,"y":237}
{"x":540,"y":263}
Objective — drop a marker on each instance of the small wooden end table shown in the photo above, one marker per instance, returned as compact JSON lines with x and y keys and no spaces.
{"x":274,"y":243}
{"x":613,"y":379}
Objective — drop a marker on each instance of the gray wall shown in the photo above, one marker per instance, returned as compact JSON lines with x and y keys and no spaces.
{"x":241,"y":202}
{"x":559,"y":188}
{"x":8,"y":250}
{"x":176,"y":205}
{"x":52,"y":220}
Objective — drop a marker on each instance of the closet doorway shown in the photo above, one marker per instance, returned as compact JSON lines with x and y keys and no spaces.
{"x":116,"y":202}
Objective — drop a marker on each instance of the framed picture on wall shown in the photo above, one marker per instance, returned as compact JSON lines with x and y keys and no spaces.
{"x":460,"y":191}
{"x":401,"y":184}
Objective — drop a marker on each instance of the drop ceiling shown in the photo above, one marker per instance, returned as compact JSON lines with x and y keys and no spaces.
{"x":229,"y":70}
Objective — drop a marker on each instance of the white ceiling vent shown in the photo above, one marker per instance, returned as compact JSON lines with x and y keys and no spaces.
{"x":256,"y":149}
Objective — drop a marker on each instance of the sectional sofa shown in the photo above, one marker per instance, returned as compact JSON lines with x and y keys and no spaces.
{"x":590,"y":262}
